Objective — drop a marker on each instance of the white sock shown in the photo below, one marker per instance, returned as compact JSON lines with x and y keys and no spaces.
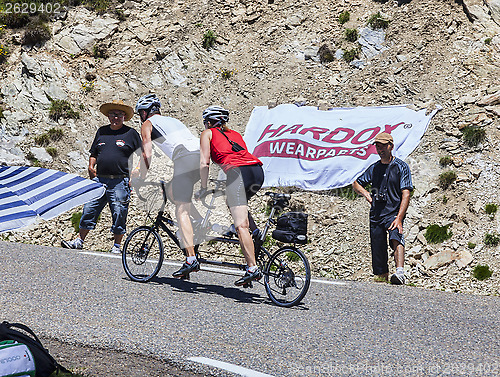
{"x":78,"y":240}
{"x":190,"y":260}
{"x":400,"y":271}
{"x":252,"y":269}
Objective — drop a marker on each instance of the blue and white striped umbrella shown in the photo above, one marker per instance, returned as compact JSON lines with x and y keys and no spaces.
{"x":27,"y":193}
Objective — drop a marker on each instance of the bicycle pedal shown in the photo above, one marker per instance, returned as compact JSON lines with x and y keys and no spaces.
{"x":248,"y":285}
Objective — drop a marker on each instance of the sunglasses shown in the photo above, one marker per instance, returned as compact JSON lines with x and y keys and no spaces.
{"x":116,"y":115}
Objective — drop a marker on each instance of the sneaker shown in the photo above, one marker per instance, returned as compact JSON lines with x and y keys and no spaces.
{"x":230,"y":232}
{"x":256,"y":234}
{"x":75,"y":244}
{"x":115,"y":250}
{"x":398,"y":279}
{"x":186,"y":269}
{"x":248,"y":278}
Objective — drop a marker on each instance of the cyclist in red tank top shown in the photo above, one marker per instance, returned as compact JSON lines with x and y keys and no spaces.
{"x":244,"y":178}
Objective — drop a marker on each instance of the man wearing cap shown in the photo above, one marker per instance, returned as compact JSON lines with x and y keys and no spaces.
{"x":110,"y":152}
{"x":389,"y":197}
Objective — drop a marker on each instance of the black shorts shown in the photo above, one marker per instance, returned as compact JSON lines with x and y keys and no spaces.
{"x":186,"y":174}
{"x":242,"y":183}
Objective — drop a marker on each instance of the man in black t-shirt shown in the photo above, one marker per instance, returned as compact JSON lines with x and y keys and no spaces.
{"x":389,"y":198}
{"x":110,"y":152}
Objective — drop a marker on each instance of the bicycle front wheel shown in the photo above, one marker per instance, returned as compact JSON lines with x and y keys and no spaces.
{"x":142,"y":255}
{"x":287,"y":276}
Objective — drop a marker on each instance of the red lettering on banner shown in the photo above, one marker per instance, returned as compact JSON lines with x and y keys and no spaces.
{"x":389,"y":128}
{"x":348,"y":131}
{"x":292,"y":129}
{"x":269,"y":130}
{"x":374,"y":133}
{"x":316,"y":131}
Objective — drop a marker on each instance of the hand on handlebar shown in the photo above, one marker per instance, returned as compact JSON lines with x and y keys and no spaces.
{"x":201,"y":193}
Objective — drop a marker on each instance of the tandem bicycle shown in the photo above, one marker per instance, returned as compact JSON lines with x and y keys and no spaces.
{"x":286,"y":271}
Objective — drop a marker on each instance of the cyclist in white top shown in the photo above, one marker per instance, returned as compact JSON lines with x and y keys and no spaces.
{"x":183,"y":148}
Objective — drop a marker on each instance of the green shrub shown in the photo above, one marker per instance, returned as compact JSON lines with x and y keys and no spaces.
{"x":62,"y":109}
{"x":351,"y":35}
{"x":445,"y":199}
{"x":227,"y":73}
{"x":51,"y":151}
{"x":325,"y":54}
{"x":471,"y":245}
{"x":344,"y":17}
{"x":346,"y":192}
{"x":376,"y":21}
{"x":487,"y":41}
{"x":36,"y":33}
{"x":445,"y":161}
{"x":120,"y":14}
{"x":447,"y":178}
{"x":4,"y":53}
{"x":350,"y":55}
{"x":42,"y":139}
{"x":100,"y":51}
{"x":490,"y":208}
{"x":209,"y":39}
{"x":75,"y":221}
{"x":98,"y":6}
{"x":437,"y":234}
{"x":491,"y":239}
{"x":292,"y":257}
{"x":473,"y":135}
{"x":482,"y":272}
{"x":13,"y":20}
{"x":55,"y":133}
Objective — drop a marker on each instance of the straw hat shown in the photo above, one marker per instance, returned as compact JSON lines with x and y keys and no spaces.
{"x":117,"y":105}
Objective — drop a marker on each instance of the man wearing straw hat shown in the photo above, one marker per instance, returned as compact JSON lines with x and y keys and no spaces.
{"x":109,"y":164}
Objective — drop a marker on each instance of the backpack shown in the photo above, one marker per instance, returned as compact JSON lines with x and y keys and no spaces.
{"x":45,"y":364}
{"x":291,"y":227}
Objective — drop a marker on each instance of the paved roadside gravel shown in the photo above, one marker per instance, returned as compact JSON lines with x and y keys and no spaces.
{"x":97,"y":362}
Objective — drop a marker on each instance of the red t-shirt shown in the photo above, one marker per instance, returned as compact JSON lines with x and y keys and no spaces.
{"x":222,"y":154}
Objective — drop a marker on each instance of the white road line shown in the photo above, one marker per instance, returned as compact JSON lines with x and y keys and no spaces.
{"x":229,"y":367}
{"x":206,"y":268}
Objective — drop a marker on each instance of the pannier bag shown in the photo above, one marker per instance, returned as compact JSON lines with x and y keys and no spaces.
{"x":45,"y":364}
{"x":291,"y":227}
{"x":16,"y":360}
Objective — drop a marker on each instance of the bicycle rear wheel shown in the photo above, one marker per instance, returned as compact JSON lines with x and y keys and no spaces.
{"x":142,"y":255}
{"x":287,"y":276}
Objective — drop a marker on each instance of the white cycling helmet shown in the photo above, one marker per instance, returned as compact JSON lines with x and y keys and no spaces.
{"x":147,"y":102}
{"x":216,"y":114}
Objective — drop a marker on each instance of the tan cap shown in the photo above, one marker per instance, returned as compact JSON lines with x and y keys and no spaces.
{"x":117,"y":105}
{"x":383,"y":138}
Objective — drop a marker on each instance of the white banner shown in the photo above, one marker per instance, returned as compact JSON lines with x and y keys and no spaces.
{"x":318,"y":150}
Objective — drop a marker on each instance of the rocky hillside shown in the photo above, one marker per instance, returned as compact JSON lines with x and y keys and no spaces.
{"x":241,"y":54}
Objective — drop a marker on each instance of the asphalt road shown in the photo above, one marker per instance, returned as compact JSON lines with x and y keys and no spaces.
{"x":344,"y":328}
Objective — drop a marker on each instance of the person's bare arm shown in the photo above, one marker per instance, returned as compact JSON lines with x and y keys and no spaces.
{"x":92,"y":170}
{"x":403,"y":207}
{"x":205,"y":138}
{"x":362,"y":191}
{"x":147,"y":147}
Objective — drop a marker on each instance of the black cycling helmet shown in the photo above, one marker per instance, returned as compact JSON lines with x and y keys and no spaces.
{"x":216,"y":114}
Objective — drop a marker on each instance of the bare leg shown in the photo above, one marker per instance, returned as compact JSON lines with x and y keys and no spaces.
{"x":399,"y":253}
{"x":83,"y":233}
{"x":118,"y":238}
{"x":240,"y":217}
{"x":182,"y":211}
